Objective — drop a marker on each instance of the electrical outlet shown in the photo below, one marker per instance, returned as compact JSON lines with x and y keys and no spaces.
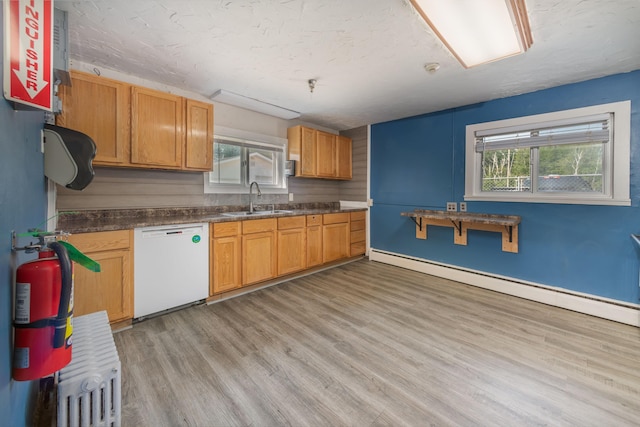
{"x":291,"y":197}
{"x":452,"y":207}
{"x":463,"y":206}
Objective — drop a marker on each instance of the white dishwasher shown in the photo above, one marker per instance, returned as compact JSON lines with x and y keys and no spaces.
{"x":171,"y":267}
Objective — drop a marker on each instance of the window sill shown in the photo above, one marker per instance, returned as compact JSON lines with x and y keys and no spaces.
{"x":559,"y":199}
{"x":242,"y":190}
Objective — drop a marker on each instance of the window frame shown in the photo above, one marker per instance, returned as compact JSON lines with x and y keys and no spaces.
{"x":252,"y":140}
{"x":616,"y":170}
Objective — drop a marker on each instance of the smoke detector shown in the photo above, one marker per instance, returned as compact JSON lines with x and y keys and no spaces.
{"x":432,"y":67}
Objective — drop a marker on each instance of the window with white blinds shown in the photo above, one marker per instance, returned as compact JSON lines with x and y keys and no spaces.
{"x":594,"y":129}
{"x":560,"y":157}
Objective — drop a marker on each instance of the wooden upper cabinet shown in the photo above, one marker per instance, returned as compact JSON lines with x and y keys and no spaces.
{"x":157,"y":129}
{"x":98,"y":107}
{"x":326,"y":154}
{"x":137,"y":127}
{"x":319,"y":154}
{"x":302,"y":148}
{"x":343,"y":157}
{"x":198,"y":150}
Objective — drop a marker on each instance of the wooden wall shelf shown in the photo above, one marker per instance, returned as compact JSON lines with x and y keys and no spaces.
{"x":507,"y":225}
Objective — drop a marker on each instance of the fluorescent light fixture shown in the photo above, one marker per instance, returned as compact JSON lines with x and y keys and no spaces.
{"x":477,"y":32}
{"x":252,"y":104}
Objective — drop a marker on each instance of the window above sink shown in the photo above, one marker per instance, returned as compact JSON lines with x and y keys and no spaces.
{"x":242,"y":157}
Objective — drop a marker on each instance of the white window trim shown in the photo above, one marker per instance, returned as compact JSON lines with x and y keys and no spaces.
{"x":222,"y":132}
{"x":619,"y":194}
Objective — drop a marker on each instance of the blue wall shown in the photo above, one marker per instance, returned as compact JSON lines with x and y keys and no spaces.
{"x":22,"y":206}
{"x":418,"y":162}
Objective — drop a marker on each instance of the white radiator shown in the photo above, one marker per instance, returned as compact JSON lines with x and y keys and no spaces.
{"x":89,"y":393}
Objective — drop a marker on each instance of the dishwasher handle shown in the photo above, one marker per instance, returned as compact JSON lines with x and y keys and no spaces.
{"x":151,"y":233}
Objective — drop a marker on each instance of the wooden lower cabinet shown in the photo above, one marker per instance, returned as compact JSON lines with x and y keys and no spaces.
{"x":259,"y":250}
{"x":111,"y":289}
{"x":335,"y":237}
{"x":247,"y":252}
{"x":358,"y":238}
{"x":226,"y":255}
{"x":292,"y":245}
{"x":314,"y":240}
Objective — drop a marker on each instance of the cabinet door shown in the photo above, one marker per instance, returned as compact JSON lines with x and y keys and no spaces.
{"x":314,"y":245}
{"x":157,"y":133}
{"x":198,"y":152}
{"x":98,"y":107}
{"x":225,"y":260}
{"x":109,"y":290}
{"x":258,"y":257}
{"x":343,"y":157}
{"x":308,"y":151}
{"x":292,"y":249}
{"x":335,"y":241}
{"x":326,"y":153}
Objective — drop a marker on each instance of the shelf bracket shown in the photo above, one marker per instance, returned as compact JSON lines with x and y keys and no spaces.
{"x":509,"y":229}
{"x":417,"y":225}
{"x":457,"y":225}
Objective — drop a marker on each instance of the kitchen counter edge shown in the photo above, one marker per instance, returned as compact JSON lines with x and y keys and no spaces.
{"x":130,"y":223}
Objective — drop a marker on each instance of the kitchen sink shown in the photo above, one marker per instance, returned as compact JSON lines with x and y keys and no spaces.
{"x":256,"y":213}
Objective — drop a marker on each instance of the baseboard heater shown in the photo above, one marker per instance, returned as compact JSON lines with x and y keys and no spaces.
{"x":89,"y":388}
{"x":593,"y":305}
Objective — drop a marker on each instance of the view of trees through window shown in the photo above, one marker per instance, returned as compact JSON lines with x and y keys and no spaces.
{"x":569,"y":167}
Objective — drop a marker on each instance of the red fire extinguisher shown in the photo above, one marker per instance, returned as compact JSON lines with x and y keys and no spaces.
{"x":43,"y":314}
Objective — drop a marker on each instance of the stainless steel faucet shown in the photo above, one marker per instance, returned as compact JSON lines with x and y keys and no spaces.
{"x":251,"y":195}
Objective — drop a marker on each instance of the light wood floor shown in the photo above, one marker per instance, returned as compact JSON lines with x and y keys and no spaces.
{"x":367,"y":344}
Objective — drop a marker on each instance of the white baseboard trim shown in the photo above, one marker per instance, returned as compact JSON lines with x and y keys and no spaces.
{"x":583,"y":303}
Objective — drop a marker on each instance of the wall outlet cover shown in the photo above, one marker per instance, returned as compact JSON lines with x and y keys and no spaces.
{"x":291,"y":197}
{"x":463,"y":206}
{"x":452,"y":207}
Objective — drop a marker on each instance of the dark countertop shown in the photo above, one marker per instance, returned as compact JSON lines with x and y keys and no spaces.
{"x":482,"y":218}
{"x":123,"y":219}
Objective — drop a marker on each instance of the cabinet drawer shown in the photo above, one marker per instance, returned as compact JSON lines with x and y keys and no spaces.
{"x":358,"y":248}
{"x":357,"y":225}
{"x":358,"y":216}
{"x":335,"y":218}
{"x":101,"y":241}
{"x":291,"y":222}
{"x":358,"y":236}
{"x":259,"y":225}
{"x":314,"y":220}
{"x":225,"y":229}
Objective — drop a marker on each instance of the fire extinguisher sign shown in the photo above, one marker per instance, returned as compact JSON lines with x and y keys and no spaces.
{"x":28,"y":68}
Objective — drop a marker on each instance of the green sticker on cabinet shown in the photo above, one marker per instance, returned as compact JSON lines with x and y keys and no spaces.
{"x":196,"y":238}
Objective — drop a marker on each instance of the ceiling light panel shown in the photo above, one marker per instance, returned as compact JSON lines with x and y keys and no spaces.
{"x":477,"y":32}
{"x":253,"y":104}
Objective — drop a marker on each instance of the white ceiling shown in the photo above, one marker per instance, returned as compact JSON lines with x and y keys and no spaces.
{"x":367,"y":55}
